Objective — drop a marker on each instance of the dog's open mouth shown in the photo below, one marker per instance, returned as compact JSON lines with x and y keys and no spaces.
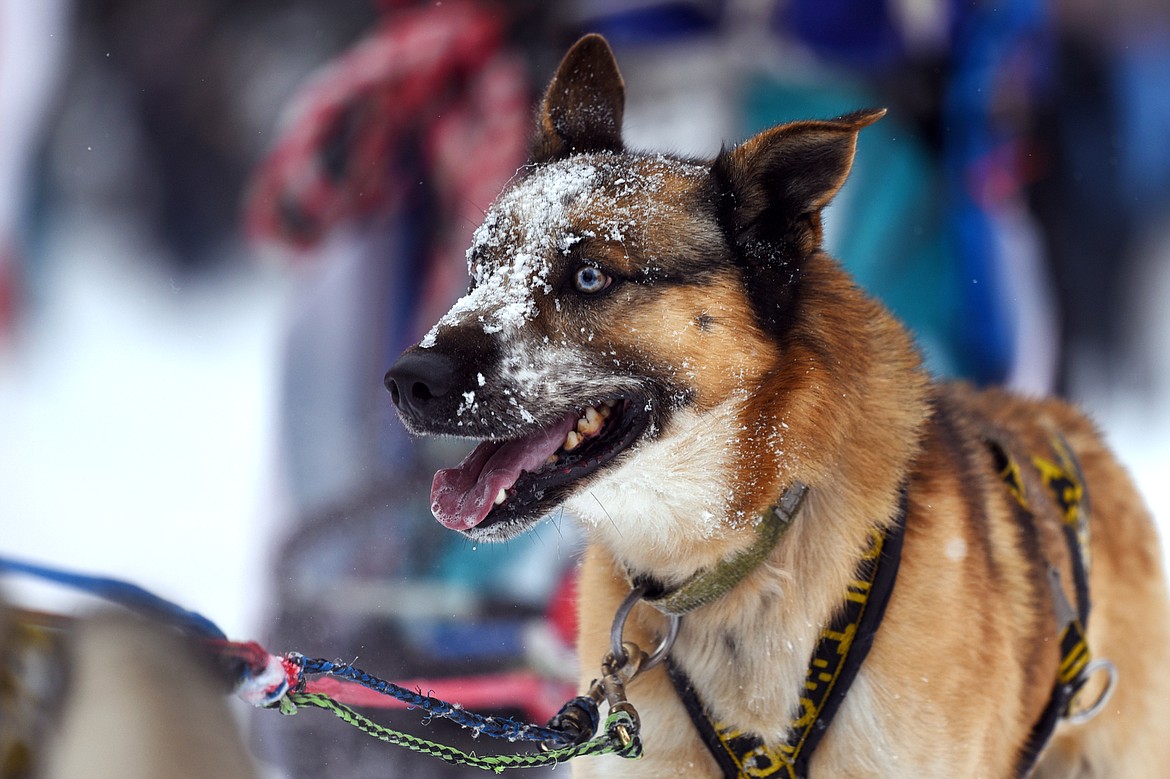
{"x":502,"y":484}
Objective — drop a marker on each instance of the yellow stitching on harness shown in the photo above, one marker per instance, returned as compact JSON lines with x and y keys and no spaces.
{"x":1064,"y":481}
{"x":764,"y":762}
{"x":1075,"y":657}
{"x":1062,"y":478}
{"x":1064,"y":486}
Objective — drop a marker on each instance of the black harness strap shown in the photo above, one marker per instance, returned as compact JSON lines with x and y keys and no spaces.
{"x":1063,"y":477}
{"x":837,"y":658}
{"x":843,"y":645}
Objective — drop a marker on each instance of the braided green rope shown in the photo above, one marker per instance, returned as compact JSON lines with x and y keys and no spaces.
{"x":608,"y":743}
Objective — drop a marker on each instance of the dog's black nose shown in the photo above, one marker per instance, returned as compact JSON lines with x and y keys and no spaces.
{"x":417,"y":379}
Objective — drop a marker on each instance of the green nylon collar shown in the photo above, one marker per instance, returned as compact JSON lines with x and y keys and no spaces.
{"x":710,"y":584}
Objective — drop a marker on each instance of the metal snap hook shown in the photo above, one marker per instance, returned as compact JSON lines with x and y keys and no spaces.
{"x":616,"y":645}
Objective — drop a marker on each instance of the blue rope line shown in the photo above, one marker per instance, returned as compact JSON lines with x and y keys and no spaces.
{"x":495,"y":727}
{"x":122,"y":593}
{"x":144,"y":602}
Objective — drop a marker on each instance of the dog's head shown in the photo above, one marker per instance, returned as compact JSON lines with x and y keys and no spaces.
{"x":619,"y":303}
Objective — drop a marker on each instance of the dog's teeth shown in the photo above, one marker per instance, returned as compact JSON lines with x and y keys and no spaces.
{"x":572,"y":441}
{"x":590,"y":423}
{"x":552,"y":460}
{"x":610,"y":403}
{"x":605,"y":411}
{"x":502,"y":496}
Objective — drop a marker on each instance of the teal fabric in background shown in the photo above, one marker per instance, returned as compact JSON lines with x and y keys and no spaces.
{"x":886,"y":226}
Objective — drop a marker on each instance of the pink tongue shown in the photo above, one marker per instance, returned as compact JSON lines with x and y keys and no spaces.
{"x":462,"y":496}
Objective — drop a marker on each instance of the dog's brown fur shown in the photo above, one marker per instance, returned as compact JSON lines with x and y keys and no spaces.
{"x":762,"y":364}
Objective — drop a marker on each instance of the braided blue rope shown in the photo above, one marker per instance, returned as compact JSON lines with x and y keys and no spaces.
{"x":122,"y":593}
{"x":494,"y":727}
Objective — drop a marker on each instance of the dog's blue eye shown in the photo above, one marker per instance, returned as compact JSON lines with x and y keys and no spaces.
{"x":590,"y":280}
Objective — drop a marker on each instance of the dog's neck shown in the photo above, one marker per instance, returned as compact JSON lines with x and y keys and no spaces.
{"x":688,"y":500}
{"x":710,"y":584}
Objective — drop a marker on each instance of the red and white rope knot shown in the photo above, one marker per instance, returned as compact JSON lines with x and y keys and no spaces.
{"x":265,"y":687}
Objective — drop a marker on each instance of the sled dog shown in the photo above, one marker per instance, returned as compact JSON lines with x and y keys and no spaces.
{"x":873,"y":573}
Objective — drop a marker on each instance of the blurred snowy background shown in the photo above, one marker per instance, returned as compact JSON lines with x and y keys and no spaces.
{"x":140,"y":343}
{"x":206,"y":265}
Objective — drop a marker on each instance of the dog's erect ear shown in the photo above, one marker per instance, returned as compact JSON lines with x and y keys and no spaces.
{"x":582,"y":108}
{"x":772,"y":189}
{"x":776,"y":184}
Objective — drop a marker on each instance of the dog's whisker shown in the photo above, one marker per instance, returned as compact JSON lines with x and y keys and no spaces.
{"x":607,"y":514}
{"x":482,"y":211}
{"x":556,"y":523}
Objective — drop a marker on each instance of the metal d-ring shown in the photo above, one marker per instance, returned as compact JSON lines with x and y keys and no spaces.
{"x":1084,"y":715}
{"x":616,"y":648}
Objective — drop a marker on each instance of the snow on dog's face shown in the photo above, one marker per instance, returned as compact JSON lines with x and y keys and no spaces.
{"x":623,"y":308}
{"x":580,"y":336}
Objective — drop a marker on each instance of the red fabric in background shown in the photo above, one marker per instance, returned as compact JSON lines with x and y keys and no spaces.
{"x":436,"y":78}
